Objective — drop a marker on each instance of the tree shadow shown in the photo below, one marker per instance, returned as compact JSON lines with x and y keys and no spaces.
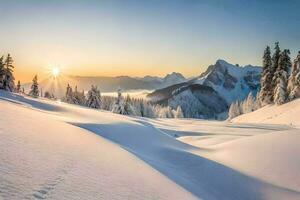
{"x":206,"y":179}
{"x":29,"y":102}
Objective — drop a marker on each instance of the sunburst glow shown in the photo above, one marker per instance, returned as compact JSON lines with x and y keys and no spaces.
{"x":55,"y":72}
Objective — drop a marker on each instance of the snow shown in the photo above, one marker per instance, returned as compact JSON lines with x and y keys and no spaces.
{"x":53,"y":150}
{"x":173,"y":78}
{"x":287,"y":113}
{"x":51,"y":159}
{"x":240,"y":90}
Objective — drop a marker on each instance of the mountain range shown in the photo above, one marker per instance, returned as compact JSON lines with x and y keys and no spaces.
{"x":210,"y":94}
{"x":108,"y":84}
{"x":111,"y":84}
{"x":207,"y":96}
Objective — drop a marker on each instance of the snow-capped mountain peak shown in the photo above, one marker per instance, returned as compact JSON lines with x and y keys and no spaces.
{"x":210,"y":94}
{"x":231,"y":81}
{"x":174,"y":77}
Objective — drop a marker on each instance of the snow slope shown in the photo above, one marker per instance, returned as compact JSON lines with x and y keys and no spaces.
{"x":53,"y":150}
{"x":273,"y":114}
{"x":43,"y":158}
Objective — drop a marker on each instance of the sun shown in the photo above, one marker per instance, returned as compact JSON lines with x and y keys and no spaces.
{"x":55,"y":72}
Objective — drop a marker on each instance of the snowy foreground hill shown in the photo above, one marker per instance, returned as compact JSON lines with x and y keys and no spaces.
{"x":52,"y":150}
{"x":287,"y":113}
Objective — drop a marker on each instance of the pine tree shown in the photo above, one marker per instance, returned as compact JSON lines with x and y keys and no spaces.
{"x":18,"y":89}
{"x":69,"y":96}
{"x":140,"y":107}
{"x":276,"y":56}
{"x":178,"y":113}
{"x":149,"y":110}
{"x":8,"y":82}
{"x":79,"y":97}
{"x":294,"y":80}
{"x":275,"y":60}
{"x":2,"y":72}
{"x":165,"y":112}
{"x":107,"y":102}
{"x":234,"y":110}
{"x":257,"y":104}
{"x":93,"y":98}
{"x":250,"y":103}
{"x":128,"y":108}
{"x":69,"y":90}
{"x":266,"y":94}
{"x":34,"y":92}
{"x":281,"y":77}
{"x":119,"y":104}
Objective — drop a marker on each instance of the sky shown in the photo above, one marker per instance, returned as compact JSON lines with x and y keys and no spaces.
{"x":138,"y":38}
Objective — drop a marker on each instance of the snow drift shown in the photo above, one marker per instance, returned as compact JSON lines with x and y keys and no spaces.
{"x":52,"y":150}
{"x":287,"y":113}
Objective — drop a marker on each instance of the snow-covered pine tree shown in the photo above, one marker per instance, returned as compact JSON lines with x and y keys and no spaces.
{"x":257,"y":104}
{"x":18,"y":89}
{"x":234,"y":110}
{"x":128,"y":108}
{"x":107,"y":103}
{"x":162,"y":112}
{"x":294,"y":80}
{"x":8,"y":81}
{"x":78,"y":97}
{"x":68,"y":98}
{"x":170,"y":113}
{"x":281,"y":77}
{"x":165,"y":112}
{"x":178,"y":113}
{"x":149,"y":110}
{"x":34,"y":92}
{"x":275,"y":60}
{"x":142,"y":108}
{"x":250,"y":103}
{"x":136,"y":105}
{"x":119,"y":104}
{"x":266,"y":94}
{"x":2,"y":72}
{"x":93,"y":98}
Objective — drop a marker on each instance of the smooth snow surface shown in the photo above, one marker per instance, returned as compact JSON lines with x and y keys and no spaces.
{"x":52,"y":150}
{"x":288,"y":113}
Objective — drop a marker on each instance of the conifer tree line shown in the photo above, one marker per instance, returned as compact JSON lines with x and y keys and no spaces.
{"x":7,"y":79}
{"x":120,"y":104}
{"x":280,"y":81}
{"x":250,"y":104}
{"x":6,"y":73}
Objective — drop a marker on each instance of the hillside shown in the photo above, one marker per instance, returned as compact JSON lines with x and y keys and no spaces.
{"x":287,"y":113}
{"x":53,"y":150}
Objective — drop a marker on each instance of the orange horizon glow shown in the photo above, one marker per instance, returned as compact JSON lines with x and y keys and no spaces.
{"x":26,"y":74}
{"x":113,"y":38}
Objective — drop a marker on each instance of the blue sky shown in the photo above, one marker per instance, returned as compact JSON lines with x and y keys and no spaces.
{"x":143,"y":37}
